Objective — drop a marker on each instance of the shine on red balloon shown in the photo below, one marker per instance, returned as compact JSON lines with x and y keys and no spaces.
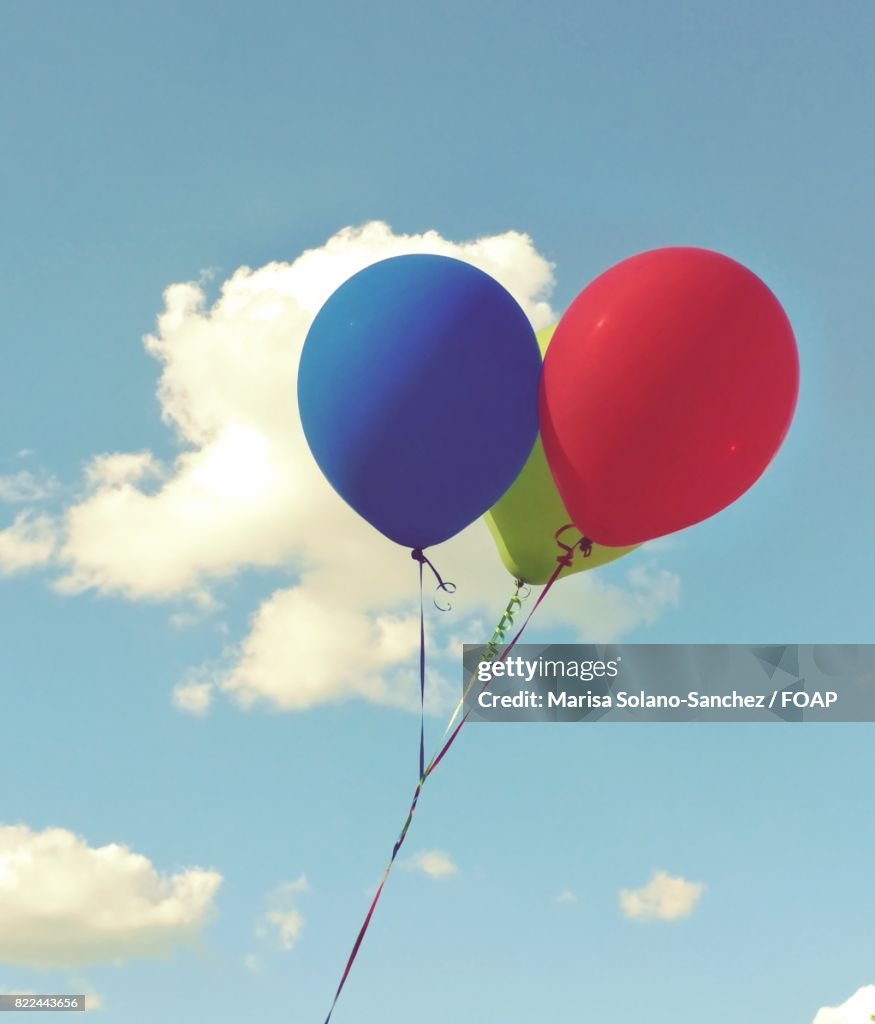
{"x":667,"y":389}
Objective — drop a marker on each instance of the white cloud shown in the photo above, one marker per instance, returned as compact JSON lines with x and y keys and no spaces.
{"x":433,"y":863}
{"x":300,"y":884}
{"x":664,"y":898}
{"x":195,"y":698}
{"x":93,"y":1001}
{"x":327,"y":638}
{"x":859,"y":1009}
{"x":119,"y":468}
{"x":301,"y":652}
{"x":254,"y":964}
{"x":244,"y":491}
{"x":25,"y":486}
{"x":287,"y":924}
{"x":29,"y":542}
{"x":566,"y":896}
{"x":649,"y":592}
{"x":283,"y":922}
{"x":66,"y":904}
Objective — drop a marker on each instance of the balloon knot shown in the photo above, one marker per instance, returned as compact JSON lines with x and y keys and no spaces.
{"x":418,"y":555}
{"x":585,"y":546}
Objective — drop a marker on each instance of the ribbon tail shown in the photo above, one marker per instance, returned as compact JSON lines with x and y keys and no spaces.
{"x":491,"y":650}
{"x":356,"y":945}
{"x":399,"y":842}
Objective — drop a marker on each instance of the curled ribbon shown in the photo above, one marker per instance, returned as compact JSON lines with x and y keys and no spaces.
{"x":418,"y":555}
{"x":566,"y":559}
{"x":490,"y":651}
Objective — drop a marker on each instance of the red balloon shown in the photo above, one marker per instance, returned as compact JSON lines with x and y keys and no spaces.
{"x":667,"y":389}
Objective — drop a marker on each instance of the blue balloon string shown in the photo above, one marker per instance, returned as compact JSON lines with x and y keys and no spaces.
{"x":421,"y":677}
{"x":449,"y":588}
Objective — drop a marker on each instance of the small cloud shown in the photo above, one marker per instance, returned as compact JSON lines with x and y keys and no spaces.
{"x":208,"y":274}
{"x":93,"y":1000}
{"x":433,"y":863}
{"x":664,"y":898}
{"x":300,"y":884}
{"x":25,"y":486}
{"x":859,"y":1009}
{"x":201,"y":604}
{"x":193,"y":698}
{"x":566,"y":896}
{"x":184,"y":620}
{"x":287,"y":924}
{"x":254,"y":964}
{"x":283,"y":922}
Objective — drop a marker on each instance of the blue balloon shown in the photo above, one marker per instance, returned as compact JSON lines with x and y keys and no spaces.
{"x":418,"y":394}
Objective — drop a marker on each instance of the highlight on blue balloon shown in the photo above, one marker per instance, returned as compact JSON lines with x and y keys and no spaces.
{"x":418,"y":394}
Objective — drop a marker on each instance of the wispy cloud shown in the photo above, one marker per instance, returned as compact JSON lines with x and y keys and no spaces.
{"x":254,"y":964}
{"x":26,"y":487}
{"x":282,"y":923}
{"x":433,"y":863}
{"x":194,"y":698}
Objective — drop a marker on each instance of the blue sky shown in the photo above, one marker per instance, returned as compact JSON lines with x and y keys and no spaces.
{"x":170,"y":143}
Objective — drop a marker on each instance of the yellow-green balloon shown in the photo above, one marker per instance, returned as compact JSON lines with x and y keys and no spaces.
{"x":524,"y":521}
